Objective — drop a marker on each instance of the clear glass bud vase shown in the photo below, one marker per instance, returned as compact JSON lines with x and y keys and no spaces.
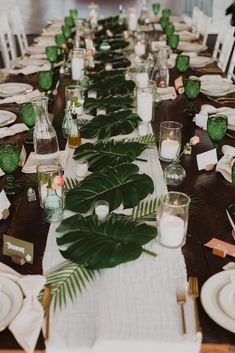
{"x":53,"y":206}
{"x":174,"y":173}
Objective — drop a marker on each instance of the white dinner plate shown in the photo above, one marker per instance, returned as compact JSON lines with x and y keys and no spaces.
{"x":180,"y":26}
{"x":12,"y":293}
{"x":6,"y":118}
{"x":209,"y":299}
{"x":218,"y":87}
{"x":27,"y":62}
{"x":200,"y":61}
{"x":13,"y":88}
{"x":227,"y":300}
{"x":190,"y":47}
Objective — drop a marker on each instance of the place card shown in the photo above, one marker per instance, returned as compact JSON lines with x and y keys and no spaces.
{"x":218,"y":244}
{"x":18,"y":248}
{"x":4,"y":205}
{"x":179,"y":84}
{"x":201,"y":121}
{"x":23,"y":157}
{"x":207,"y":158}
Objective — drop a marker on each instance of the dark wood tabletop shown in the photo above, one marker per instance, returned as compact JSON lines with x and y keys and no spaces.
{"x":26,"y":220}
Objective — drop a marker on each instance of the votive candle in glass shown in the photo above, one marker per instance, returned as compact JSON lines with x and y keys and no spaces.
{"x":170,"y":140}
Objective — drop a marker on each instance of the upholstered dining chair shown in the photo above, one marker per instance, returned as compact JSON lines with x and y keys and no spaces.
{"x":6,"y":42}
{"x":224,"y":45}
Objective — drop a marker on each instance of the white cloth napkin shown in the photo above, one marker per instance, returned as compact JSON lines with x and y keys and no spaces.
{"x":224,"y":165}
{"x":27,"y":324}
{"x":31,"y":166}
{"x":187,"y":46}
{"x":35,"y":49}
{"x":4,"y":202}
{"x":171,"y":60}
{"x":31,"y":69}
{"x":12,"y":130}
{"x":21,"y":98}
{"x":201,"y":118}
{"x":37,"y":56}
{"x":167,"y":93}
{"x":27,"y":61}
{"x":187,"y":36}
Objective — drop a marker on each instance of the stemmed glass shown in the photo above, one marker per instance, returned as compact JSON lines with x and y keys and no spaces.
{"x":191,"y":91}
{"x":182,"y":63}
{"x":28,"y":116}
{"x":231,"y":207}
{"x":60,"y":40}
{"x":9,"y":160}
{"x":69,"y":21}
{"x":66,"y":30}
{"x":45,"y":80}
{"x":216,"y":128}
{"x":169,"y":29}
{"x":164,"y":21}
{"x":156,"y":8}
{"x":73,"y":13}
{"x":173,"y":40}
{"x":166,"y":13}
{"x":52,"y":54}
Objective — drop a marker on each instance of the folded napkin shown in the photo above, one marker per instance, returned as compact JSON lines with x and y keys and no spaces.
{"x":171,"y":60}
{"x":51,"y":32}
{"x":190,"y":47}
{"x":167,"y":93}
{"x":187,"y":36}
{"x":12,"y":130}
{"x":45,"y":41}
{"x":21,"y":98}
{"x":31,"y":69}
{"x":224,"y":165}
{"x":27,"y":324}
{"x":37,"y":56}
{"x":36,"y":50}
{"x":31,"y":166}
{"x":27,"y":61}
{"x":201,"y":118}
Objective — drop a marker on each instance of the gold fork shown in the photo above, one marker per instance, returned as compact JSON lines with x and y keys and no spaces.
{"x":194,"y":292}
{"x":181,"y":300}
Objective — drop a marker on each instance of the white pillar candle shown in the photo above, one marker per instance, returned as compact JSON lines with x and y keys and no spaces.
{"x":145,"y":105}
{"x":102,"y":212}
{"x":171,"y":230}
{"x":169,"y":149}
{"x":132,"y":23}
{"x":81,"y":170}
{"x":100,"y":111}
{"x":142,"y":79}
{"x":77,"y":65}
{"x":92,"y":94}
{"x":139,"y":49}
{"x":143,"y":128}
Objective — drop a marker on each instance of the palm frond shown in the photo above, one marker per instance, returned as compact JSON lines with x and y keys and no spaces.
{"x":70,"y":183}
{"x":29,"y":180}
{"x":149,"y":139}
{"x":66,"y":281}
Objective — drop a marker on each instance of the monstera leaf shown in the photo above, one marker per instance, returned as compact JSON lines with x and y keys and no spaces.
{"x":106,"y":56}
{"x":118,"y":85}
{"x":103,"y":75}
{"x":110,"y":103}
{"x":117,"y":185}
{"x":119,"y":239}
{"x":104,"y":126}
{"x":112,"y":153}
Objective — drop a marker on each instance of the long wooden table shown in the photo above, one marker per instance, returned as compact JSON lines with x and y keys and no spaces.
{"x":26,"y":220}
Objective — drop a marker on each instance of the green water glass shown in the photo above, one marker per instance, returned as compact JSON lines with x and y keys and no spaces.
{"x":182,"y":63}
{"x":45,"y":80}
{"x":156,"y":8}
{"x":73,"y":13}
{"x":69,"y":21}
{"x":27,"y":114}
{"x":191,"y":91}
{"x":9,"y":160}
{"x":166,"y":13}
{"x":164,"y":21}
{"x":172,"y":41}
{"x":66,"y":30}
{"x":217,"y":125}
{"x":52,"y":54}
{"x":60,"y":40}
{"x":169,"y":29}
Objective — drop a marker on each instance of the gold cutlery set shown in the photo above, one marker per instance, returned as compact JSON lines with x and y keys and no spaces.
{"x":222,"y":100}
{"x":193,"y":291}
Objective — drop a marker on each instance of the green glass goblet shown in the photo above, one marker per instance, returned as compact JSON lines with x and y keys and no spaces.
{"x":191,"y":91}
{"x":164,"y":21}
{"x":231,"y":207}
{"x":156,"y":8}
{"x":60,"y":40}
{"x":169,"y":29}
{"x":52,"y":54}
{"x":172,"y":41}
{"x":9,"y":160}
{"x":27,"y":114}
{"x":166,"y":13}
{"x":73,"y":13}
{"x":66,"y":31}
{"x":69,"y":21}
{"x":45,"y":80}
{"x":182,"y":63}
{"x":217,"y":125}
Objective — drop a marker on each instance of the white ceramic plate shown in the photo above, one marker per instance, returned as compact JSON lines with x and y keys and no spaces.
{"x":200,"y":61}
{"x":190,"y":47}
{"x":27,"y":61}
{"x":12,"y":299}
{"x":209,"y":299}
{"x":217,"y":87}
{"x":181,"y":26}
{"x":13,"y":88}
{"x":6,"y":118}
{"x":227,"y":300}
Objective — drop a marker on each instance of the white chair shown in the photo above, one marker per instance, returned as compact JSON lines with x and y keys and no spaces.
{"x":17,"y":28}
{"x":203,"y":27}
{"x":195,"y":19}
{"x":224,"y":45}
{"x":6,"y":42}
{"x":231,"y":74}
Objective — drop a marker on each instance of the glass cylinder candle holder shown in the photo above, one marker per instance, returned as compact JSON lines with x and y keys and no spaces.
{"x":139,"y":48}
{"x":145,"y":100}
{"x":142,"y":70}
{"x":74,"y":95}
{"x":77,"y":63}
{"x":170,"y":140}
{"x":172,"y":219}
{"x":102,"y":210}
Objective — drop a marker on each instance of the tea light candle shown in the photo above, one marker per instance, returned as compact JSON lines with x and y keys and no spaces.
{"x":143,"y":128}
{"x":169,"y":149}
{"x":77,"y":66}
{"x":142,"y":79}
{"x":139,"y":49}
{"x":81,"y":169}
{"x":171,"y":230}
{"x":102,"y":211}
{"x":92,"y":94}
{"x":145,"y":105}
{"x":108,"y":67}
{"x":100,"y":111}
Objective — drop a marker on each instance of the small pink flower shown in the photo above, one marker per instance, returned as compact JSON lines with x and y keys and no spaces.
{"x":194,"y":140}
{"x":58,"y":181}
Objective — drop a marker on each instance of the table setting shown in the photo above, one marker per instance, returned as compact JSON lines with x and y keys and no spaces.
{"x":116,"y":278}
